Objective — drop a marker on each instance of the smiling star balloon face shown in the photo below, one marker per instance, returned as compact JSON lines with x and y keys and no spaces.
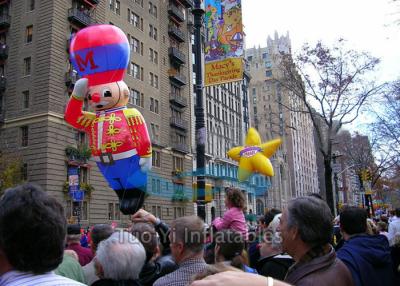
{"x":254,"y":156}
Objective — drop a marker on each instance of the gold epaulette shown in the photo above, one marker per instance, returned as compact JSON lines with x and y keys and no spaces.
{"x":86,"y":118}
{"x":133,"y":116}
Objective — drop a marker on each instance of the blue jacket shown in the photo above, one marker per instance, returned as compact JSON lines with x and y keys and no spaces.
{"x":368,"y":259}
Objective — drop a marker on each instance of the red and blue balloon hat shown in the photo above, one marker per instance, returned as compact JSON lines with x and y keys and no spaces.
{"x":100,"y":53}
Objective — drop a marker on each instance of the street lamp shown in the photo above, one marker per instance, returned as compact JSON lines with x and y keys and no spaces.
{"x":198,"y":13}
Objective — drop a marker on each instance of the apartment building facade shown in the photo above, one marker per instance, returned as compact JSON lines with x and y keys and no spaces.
{"x":274,"y":115}
{"x":38,"y":80}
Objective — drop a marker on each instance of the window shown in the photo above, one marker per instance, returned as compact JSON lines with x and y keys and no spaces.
{"x":112,"y":5}
{"x":153,"y":32}
{"x":25,"y":99}
{"x":135,"y":20}
{"x":24,"y":172}
{"x":156,"y":159}
{"x":177,"y":163}
{"x":154,"y":130}
{"x":136,"y":72}
{"x":136,"y":98}
{"x":152,"y":9}
{"x":24,"y":136}
{"x":75,"y":209}
{"x":117,"y":7}
{"x":156,"y":210}
{"x":153,"y":80}
{"x":113,"y":211}
{"x":29,"y":34}
{"x":156,"y":186}
{"x":154,"y":105}
{"x":268,"y":73}
{"x":31,"y":5}
{"x":179,"y":212}
{"x":153,"y":56}
{"x":27,"y":66}
{"x":134,"y":44}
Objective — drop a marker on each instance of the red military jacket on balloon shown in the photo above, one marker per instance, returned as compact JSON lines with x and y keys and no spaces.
{"x":114,"y":131}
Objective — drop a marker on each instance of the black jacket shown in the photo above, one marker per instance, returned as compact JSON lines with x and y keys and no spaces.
{"x":153,"y":270}
{"x":275,"y":266}
{"x":163,"y":265}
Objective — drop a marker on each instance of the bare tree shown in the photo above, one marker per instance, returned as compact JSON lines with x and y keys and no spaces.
{"x":333,"y":83}
{"x":363,"y":154}
{"x":386,"y":128}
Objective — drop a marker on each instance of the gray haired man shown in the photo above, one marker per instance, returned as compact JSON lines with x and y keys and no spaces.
{"x":99,"y":233}
{"x":119,"y":260}
{"x":306,"y":229}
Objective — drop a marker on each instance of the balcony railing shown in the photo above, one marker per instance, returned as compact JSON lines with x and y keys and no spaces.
{"x":179,"y":123}
{"x":5,"y":21}
{"x":70,"y":78}
{"x":187,"y":3}
{"x":181,"y":147}
{"x":178,"y":79}
{"x":176,"y":33}
{"x":3,"y":51}
{"x":79,"y":17}
{"x":176,"y":13}
{"x":3,"y":83}
{"x":178,"y":100}
{"x":176,"y":56}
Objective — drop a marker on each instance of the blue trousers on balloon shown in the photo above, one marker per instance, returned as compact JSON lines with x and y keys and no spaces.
{"x":124,"y":174}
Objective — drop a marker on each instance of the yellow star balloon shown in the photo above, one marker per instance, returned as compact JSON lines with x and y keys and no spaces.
{"x":254,"y":156}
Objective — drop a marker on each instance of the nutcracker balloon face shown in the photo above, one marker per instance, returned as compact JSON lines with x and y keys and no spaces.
{"x":118,"y":135}
{"x":107,"y":96}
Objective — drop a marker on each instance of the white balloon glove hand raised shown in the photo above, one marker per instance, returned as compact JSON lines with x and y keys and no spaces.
{"x":80,"y":88}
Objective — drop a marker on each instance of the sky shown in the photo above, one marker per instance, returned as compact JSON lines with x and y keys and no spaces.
{"x":367,"y":25}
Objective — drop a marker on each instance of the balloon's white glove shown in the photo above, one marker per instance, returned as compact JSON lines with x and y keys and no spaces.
{"x":80,"y":88}
{"x":145,"y":164}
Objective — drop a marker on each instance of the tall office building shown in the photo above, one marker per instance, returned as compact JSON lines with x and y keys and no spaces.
{"x":273,"y":116}
{"x":227,"y":122}
{"x":38,"y":80}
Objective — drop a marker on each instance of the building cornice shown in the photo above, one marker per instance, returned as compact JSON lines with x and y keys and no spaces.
{"x":34,"y":118}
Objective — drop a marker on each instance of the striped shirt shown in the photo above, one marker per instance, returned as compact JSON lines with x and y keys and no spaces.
{"x":184,"y":274}
{"x":16,"y":278}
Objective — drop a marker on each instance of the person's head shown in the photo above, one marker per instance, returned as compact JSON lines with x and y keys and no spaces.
{"x":315,"y":195}
{"x":229,"y":246}
{"x":382,"y":226}
{"x":147,"y":235}
{"x":234,"y":198}
{"x":304,"y":224}
{"x":99,"y":233}
{"x":32,"y":229}
{"x":353,"y":220}
{"x":120,"y":257}
{"x":73,"y":233}
{"x":271,"y":243}
{"x":269,"y":216}
{"x":187,"y":237}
